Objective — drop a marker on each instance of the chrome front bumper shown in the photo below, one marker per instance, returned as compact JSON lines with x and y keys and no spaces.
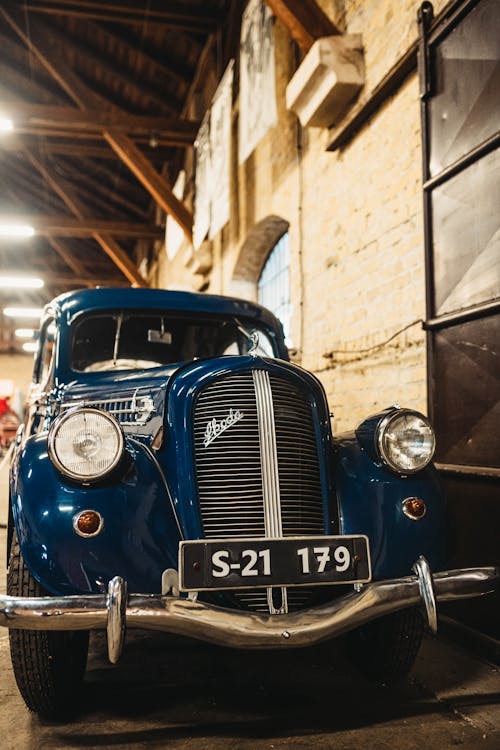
{"x":227,"y":627}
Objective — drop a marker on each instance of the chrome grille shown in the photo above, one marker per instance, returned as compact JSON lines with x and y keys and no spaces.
{"x":299,"y":479}
{"x":135,"y":409}
{"x":229,"y":469}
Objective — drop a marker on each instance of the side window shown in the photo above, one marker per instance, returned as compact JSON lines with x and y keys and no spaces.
{"x":46,"y":356}
{"x":274,"y":283}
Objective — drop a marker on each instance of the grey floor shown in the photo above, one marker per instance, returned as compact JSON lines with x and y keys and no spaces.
{"x":173,"y":693}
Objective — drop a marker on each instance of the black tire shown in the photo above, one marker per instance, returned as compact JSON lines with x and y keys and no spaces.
{"x":48,"y":665}
{"x":385,"y":649}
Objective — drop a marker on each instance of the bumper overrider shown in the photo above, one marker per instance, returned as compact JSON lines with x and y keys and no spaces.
{"x":225,"y":627}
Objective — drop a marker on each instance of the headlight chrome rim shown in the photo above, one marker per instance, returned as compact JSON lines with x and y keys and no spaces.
{"x":382,"y":428}
{"x":64,"y":470}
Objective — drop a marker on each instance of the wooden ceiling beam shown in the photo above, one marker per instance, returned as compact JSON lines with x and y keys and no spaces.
{"x":167,"y":66}
{"x":107,"y":192}
{"x":154,"y":183}
{"x":84,"y":151}
{"x":162,"y":99}
{"x":69,"y":119}
{"x":110,"y":246}
{"x":61,"y":226}
{"x":26,"y":185}
{"x":305,"y":20}
{"x":38,"y":41}
{"x":68,"y":257}
{"x":82,"y":280}
{"x":171,"y":14}
{"x":14,"y":79}
{"x":92,"y":137}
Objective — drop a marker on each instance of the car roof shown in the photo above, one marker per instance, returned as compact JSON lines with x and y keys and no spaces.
{"x":71,"y":304}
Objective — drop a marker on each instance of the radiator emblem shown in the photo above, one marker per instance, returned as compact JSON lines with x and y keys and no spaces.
{"x":215,"y":428}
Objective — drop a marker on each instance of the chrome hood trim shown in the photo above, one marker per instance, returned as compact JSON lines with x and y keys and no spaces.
{"x":232,"y":628}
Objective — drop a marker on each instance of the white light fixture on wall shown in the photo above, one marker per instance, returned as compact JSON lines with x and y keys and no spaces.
{"x":16,"y":231}
{"x":23,"y":312}
{"x":20,"y":282}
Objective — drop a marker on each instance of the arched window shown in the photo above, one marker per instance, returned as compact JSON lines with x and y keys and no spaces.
{"x":274,"y":283}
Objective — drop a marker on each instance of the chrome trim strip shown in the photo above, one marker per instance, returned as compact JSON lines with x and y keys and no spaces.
{"x":116,"y":604}
{"x":422,"y":568}
{"x":239,"y":629}
{"x":270,"y":472}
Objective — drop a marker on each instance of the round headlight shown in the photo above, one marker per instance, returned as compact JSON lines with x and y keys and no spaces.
{"x":86,"y":444}
{"x":406,"y":441}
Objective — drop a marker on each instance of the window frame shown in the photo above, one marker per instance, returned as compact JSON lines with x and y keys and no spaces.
{"x":431,"y":34}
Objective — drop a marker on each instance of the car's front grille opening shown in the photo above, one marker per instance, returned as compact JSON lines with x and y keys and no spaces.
{"x":228,"y":459}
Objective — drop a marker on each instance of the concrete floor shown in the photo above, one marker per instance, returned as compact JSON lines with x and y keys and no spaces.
{"x":173,"y":693}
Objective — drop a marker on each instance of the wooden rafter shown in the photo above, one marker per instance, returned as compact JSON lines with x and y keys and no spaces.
{"x":70,"y":148}
{"x":39,"y":42}
{"x":67,"y":280}
{"x":154,"y":183}
{"x":167,"y":67}
{"x":14,"y":80}
{"x":68,"y":257}
{"x":161,"y":99}
{"x":304,"y":19}
{"x":71,"y":200}
{"x":190,"y":18}
{"x":108,"y":197}
{"x":69,"y":119}
{"x":60,"y":226}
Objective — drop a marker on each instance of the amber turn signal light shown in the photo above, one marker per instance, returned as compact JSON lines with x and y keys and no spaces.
{"x":414,"y":508}
{"x":88,"y":523}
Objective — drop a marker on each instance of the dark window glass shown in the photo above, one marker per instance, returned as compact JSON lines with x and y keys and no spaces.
{"x":466,"y":232}
{"x":465,"y":109}
{"x":467,"y":393}
{"x":135,"y":341}
{"x":48,"y":337}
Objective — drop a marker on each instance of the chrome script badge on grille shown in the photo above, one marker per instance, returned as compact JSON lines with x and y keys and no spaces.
{"x":215,"y":428}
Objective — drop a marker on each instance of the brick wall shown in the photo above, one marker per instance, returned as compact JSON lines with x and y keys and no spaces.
{"x":355,"y":224}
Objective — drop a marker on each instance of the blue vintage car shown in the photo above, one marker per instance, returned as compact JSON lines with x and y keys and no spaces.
{"x":176,"y":472}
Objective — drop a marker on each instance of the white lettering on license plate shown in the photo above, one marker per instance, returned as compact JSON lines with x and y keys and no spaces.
{"x":253,"y":563}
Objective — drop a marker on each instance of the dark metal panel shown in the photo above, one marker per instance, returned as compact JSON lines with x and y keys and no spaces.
{"x":467,"y":393}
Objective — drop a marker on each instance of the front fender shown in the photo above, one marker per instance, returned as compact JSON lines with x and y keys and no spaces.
{"x":370,"y":501}
{"x":140,"y":536}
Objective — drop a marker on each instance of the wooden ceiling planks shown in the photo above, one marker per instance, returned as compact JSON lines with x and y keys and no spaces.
{"x":129,"y":69}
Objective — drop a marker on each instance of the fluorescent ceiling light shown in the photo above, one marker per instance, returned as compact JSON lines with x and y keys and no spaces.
{"x":30,"y":346}
{"x":6,"y":125}
{"x":25,"y":333}
{"x":20,"y":282}
{"x":23,"y":312}
{"x":16,"y":230}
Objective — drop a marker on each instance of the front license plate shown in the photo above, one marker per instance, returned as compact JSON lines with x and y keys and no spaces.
{"x":294,"y":561}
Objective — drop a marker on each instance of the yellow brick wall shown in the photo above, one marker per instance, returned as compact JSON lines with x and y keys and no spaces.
{"x":356,"y":234}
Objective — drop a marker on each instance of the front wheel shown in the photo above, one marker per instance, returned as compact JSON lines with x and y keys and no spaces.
{"x":48,"y":665}
{"x":385,"y":649}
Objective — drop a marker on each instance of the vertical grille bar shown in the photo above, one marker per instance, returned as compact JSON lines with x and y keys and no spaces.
{"x":270,"y":474}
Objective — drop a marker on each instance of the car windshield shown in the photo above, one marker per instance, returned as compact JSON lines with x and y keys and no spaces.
{"x":128,"y":340}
